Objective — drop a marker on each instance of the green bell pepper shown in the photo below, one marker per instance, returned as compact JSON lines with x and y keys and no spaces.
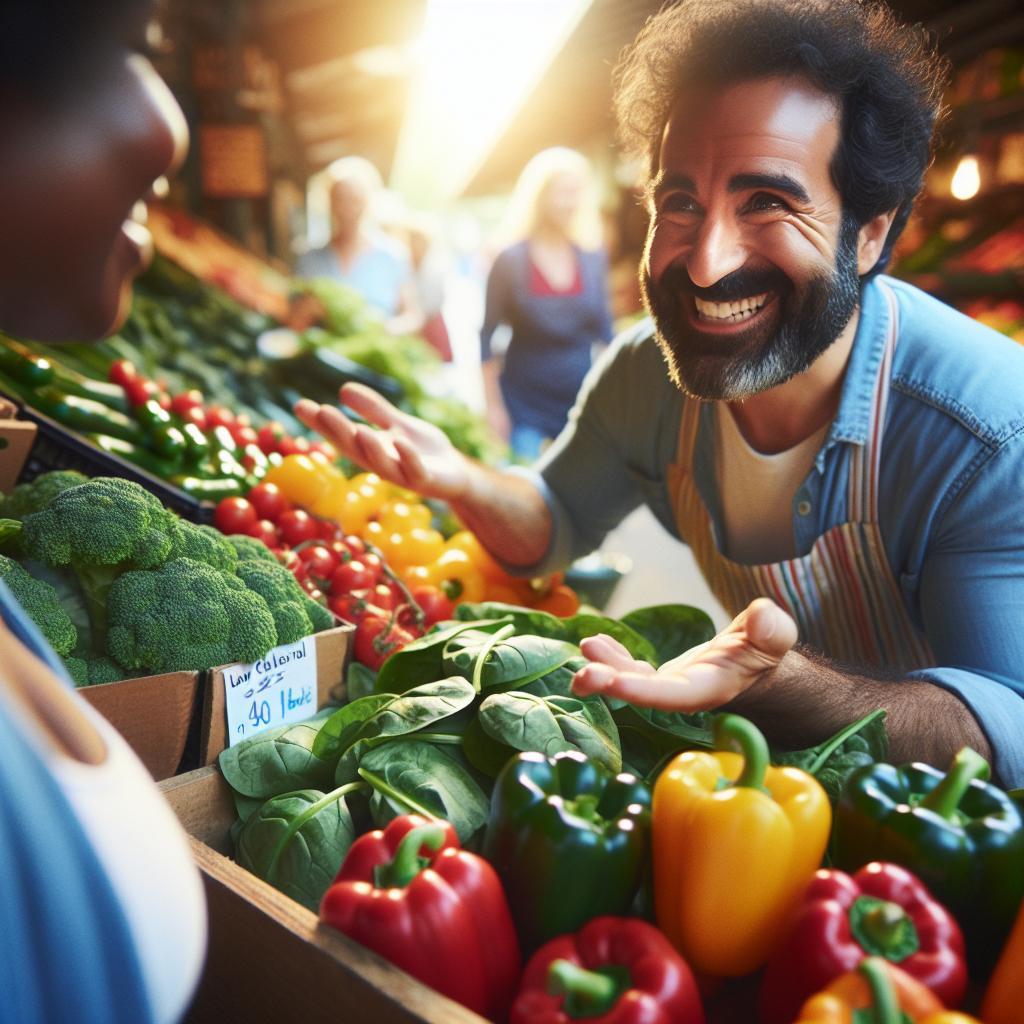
{"x":962,"y":836}
{"x":568,"y":840}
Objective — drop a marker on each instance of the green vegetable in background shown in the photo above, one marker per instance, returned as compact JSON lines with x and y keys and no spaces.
{"x":36,"y":494}
{"x":42,"y":604}
{"x":671,"y":629}
{"x":288,"y":602}
{"x":297,"y":842}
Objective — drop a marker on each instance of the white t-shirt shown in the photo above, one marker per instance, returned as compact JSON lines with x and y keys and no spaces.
{"x":757,"y":491}
{"x":143,"y":848}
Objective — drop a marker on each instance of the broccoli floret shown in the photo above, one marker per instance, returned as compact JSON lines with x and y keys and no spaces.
{"x":185,"y":615}
{"x":35,"y":495}
{"x":321,"y":617}
{"x":100,"y":529}
{"x":93,"y":671}
{"x":281,"y":590}
{"x":249,"y":549}
{"x":42,"y":604}
{"x":202,"y":544}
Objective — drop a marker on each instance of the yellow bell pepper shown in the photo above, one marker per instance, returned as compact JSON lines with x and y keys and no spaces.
{"x":1004,"y":997}
{"x":890,"y":994}
{"x":735,"y":842}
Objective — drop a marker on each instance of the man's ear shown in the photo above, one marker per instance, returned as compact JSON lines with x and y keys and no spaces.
{"x":871,"y":240}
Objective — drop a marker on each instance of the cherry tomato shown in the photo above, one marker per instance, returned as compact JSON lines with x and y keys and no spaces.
{"x":121,"y":372}
{"x":384,"y":597}
{"x":293,"y":446}
{"x":373,"y":562}
{"x":351,"y":606}
{"x":328,"y":530}
{"x":139,"y":391}
{"x":195,"y":415}
{"x":268,"y":500}
{"x":320,"y":560}
{"x":269,"y":436}
{"x":377,"y":637}
{"x":242,"y":433}
{"x":353,"y":575}
{"x":265,"y":531}
{"x":296,"y":526}
{"x":219,"y":416}
{"x":234,"y":515}
{"x":433,"y":603}
{"x":355,"y":545}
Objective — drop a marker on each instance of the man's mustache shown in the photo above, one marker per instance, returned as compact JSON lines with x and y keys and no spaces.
{"x":740,"y":284}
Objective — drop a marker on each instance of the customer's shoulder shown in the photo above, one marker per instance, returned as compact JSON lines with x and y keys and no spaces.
{"x":958,"y":366}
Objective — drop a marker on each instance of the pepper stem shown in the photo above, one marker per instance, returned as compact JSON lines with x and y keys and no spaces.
{"x":967,"y":766}
{"x":407,"y":863}
{"x":884,"y":1005}
{"x":733,"y":732}
{"x":883,"y":928}
{"x":590,"y":993}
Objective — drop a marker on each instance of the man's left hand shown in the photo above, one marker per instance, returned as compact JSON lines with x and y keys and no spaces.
{"x":705,"y":677}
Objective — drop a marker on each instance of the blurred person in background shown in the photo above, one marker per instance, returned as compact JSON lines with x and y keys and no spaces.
{"x":102,"y":915}
{"x":360,"y":254}
{"x":549,"y":288}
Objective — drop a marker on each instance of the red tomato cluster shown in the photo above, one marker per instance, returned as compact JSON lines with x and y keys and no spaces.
{"x":337,"y":569}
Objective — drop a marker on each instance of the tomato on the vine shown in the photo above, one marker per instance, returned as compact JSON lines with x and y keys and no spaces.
{"x":121,"y":371}
{"x":320,"y":560}
{"x":269,"y":436}
{"x":185,"y":401}
{"x":384,"y":597}
{"x":234,"y":515}
{"x":296,"y":526}
{"x":139,"y":390}
{"x":219,"y":416}
{"x":377,"y":638}
{"x":434,"y":604}
{"x":265,"y":531}
{"x":352,"y":575}
{"x":269,"y":501}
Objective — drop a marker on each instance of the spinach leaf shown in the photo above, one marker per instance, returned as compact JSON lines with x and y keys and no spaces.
{"x":340,"y":730}
{"x":670,"y":628}
{"x":552,"y":724}
{"x":297,"y":841}
{"x":360,"y":680}
{"x":513,"y":661}
{"x":528,"y":621}
{"x":420,"y":661}
{"x":418,"y":707}
{"x":860,"y":743}
{"x":277,"y":761}
{"x":418,"y":777}
{"x":557,"y":682}
{"x":486,"y":754}
{"x":246,"y":805}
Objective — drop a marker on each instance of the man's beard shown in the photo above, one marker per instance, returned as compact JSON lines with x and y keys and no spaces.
{"x":733,"y":367}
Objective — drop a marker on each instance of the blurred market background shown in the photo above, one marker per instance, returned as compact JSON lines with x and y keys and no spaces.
{"x":449,"y":99}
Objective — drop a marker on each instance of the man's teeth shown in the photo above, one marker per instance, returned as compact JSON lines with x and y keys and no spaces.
{"x":734,"y":312}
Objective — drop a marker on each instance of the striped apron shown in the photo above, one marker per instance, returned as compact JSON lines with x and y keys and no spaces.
{"x":842,"y":594}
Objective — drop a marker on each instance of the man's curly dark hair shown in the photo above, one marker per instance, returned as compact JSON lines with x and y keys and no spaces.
{"x":885,"y":76}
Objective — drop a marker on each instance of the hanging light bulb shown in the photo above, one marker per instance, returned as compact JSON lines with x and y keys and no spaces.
{"x":966,"y":178}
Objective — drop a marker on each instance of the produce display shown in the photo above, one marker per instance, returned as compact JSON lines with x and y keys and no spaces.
{"x":121,"y":586}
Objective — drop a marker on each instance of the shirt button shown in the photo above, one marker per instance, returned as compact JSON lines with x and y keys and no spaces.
{"x":804,"y":507}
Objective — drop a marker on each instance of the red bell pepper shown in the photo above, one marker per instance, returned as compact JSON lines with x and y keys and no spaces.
{"x":614,"y":970}
{"x":409,"y":893}
{"x":883,"y":910}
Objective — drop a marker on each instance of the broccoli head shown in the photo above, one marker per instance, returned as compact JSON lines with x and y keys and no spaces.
{"x":250,"y":549}
{"x":35,"y":495}
{"x":42,"y":604}
{"x":287,"y":600}
{"x":78,"y":669}
{"x":185,"y":615}
{"x":202,"y":544}
{"x":100,"y":529}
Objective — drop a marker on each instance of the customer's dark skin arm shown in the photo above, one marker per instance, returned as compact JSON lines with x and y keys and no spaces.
{"x":798,"y":699}
{"x":506,"y":512}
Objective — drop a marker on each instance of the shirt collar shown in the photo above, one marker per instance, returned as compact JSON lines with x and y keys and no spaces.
{"x":853,"y":420}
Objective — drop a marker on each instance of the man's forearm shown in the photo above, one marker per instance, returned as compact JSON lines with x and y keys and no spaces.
{"x":806,"y":699}
{"x":508,"y":515}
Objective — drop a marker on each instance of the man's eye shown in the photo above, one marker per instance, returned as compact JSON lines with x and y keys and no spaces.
{"x":678,"y":202}
{"x":764,"y":202}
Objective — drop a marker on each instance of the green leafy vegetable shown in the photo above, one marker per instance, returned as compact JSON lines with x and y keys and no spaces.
{"x":672,"y":629}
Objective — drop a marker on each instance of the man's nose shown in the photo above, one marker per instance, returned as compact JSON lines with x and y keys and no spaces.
{"x":717,"y":251}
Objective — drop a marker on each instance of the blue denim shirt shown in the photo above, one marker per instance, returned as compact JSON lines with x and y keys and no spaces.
{"x":951,"y":494}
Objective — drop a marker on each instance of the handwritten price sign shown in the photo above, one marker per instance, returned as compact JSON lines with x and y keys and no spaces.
{"x":276,"y":690}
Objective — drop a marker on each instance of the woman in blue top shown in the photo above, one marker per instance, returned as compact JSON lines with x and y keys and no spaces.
{"x":102,"y":918}
{"x":549,"y":288}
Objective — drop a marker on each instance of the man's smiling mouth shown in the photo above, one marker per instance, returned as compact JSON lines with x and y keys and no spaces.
{"x":729,"y":312}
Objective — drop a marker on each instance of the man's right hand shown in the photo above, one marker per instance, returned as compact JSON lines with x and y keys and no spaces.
{"x":404,"y":450}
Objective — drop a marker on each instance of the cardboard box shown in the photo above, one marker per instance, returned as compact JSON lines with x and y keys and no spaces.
{"x":332,"y":652}
{"x":153,"y":713}
{"x":269,"y":958}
